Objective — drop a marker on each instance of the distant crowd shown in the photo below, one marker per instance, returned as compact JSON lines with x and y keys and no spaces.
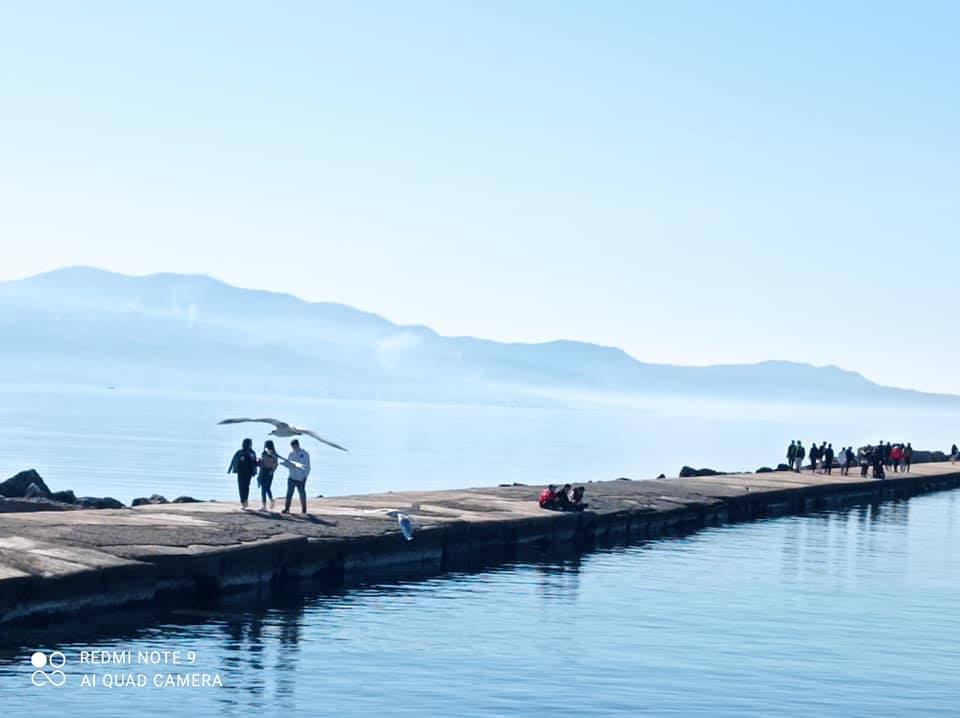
{"x":881,"y":458}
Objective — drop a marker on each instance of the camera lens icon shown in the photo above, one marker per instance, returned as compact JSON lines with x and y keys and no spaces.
{"x":55,"y":661}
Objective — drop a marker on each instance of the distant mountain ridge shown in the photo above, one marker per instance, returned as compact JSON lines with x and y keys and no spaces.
{"x":192,"y":331}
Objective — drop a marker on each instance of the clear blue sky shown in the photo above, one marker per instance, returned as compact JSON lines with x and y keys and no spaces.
{"x":694,"y":182}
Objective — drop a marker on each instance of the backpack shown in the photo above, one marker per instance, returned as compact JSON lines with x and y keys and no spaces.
{"x":246,"y":462}
{"x":268,"y":461}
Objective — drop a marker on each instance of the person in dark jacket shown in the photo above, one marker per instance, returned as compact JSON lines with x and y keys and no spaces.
{"x":563,"y":498}
{"x":907,"y":456}
{"x":828,"y":459}
{"x":851,"y":459}
{"x":800,"y":454}
{"x":577,"y":499}
{"x":791,"y":454}
{"x":814,"y":456}
{"x":244,"y":465}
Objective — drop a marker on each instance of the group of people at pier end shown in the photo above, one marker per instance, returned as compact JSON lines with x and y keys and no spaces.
{"x":823,"y":459}
{"x":246,"y":464}
{"x":566,"y":498}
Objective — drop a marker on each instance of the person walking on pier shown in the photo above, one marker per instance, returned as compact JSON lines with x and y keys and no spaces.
{"x":244,"y":465}
{"x":814,"y":456}
{"x":299,"y":467}
{"x":953,"y":454}
{"x":268,"y":465}
{"x":799,"y":455}
{"x":828,"y":457}
{"x":791,"y":453}
{"x":851,"y":459}
{"x":907,"y":457}
{"x":842,"y":461}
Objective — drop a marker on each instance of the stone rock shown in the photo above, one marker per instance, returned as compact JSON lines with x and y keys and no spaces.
{"x":783,"y":467}
{"x":925,"y":457}
{"x":21,"y":505}
{"x":93,"y":502}
{"x":688,"y":471}
{"x":154,"y":499}
{"x":64,"y":497}
{"x":33,"y":492}
{"x":764,"y":470}
{"x":16,"y":486}
{"x":186,"y":500}
{"x":662,"y":476}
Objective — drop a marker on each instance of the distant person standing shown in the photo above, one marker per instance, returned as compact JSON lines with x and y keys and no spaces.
{"x":828,"y":456}
{"x":842,"y":461}
{"x":814,"y":456}
{"x":896,"y":454}
{"x":244,"y":465}
{"x":953,"y":454}
{"x":863,"y":454}
{"x":268,"y":465}
{"x":851,"y":460}
{"x":800,"y":454}
{"x":907,"y":457}
{"x":791,"y":453}
{"x":299,"y":467}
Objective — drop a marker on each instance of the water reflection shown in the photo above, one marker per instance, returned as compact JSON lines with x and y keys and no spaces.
{"x":732,"y":621}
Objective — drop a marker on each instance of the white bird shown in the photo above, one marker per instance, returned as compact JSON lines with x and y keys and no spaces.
{"x":406,"y":525}
{"x":282,"y":428}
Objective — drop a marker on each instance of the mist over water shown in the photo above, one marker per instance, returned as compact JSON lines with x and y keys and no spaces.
{"x":127,"y":443}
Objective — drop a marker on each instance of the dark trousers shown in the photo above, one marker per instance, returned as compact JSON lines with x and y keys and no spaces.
{"x":301,"y":488}
{"x":243,"y":483}
{"x":266,"y":487}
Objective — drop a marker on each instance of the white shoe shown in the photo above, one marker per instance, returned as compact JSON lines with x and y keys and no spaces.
{"x":263,"y":508}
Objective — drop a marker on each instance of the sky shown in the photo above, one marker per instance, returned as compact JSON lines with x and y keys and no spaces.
{"x":695,"y":182}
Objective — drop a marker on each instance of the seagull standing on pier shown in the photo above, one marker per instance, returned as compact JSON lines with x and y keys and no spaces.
{"x":405,"y":523}
{"x":282,"y":428}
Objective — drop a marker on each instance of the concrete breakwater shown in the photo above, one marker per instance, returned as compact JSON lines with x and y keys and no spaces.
{"x":57,"y":563}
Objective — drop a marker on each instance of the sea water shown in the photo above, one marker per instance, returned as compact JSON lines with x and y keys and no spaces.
{"x":846,"y":613}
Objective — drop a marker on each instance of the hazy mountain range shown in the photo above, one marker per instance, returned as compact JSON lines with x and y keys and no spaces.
{"x":83,"y":325}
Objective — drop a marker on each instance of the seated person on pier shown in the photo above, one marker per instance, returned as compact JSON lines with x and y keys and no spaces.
{"x":548,"y":497}
{"x":576,"y":501}
{"x":563,"y":498}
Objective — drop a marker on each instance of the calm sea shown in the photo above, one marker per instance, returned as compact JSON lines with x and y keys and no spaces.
{"x":128,"y":443}
{"x":850,"y":613}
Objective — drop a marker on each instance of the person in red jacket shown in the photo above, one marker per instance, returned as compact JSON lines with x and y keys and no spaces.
{"x":896,"y":454}
{"x":548,"y":497}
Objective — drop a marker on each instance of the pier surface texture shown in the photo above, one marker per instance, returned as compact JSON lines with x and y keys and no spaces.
{"x":56,"y":563}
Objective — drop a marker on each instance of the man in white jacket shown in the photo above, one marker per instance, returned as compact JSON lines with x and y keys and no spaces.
{"x":299,"y":468}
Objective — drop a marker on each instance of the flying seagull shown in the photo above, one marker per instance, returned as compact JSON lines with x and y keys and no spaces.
{"x":406,"y":525}
{"x":282,"y":428}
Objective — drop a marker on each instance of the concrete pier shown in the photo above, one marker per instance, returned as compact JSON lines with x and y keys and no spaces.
{"x":69,"y":562}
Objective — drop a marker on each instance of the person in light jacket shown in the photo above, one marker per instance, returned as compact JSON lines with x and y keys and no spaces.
{"x":298,"y":463}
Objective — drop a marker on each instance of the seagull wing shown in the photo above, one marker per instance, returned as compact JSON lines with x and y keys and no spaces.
{"x":244,"y":420}
{"x":317,"y":436}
